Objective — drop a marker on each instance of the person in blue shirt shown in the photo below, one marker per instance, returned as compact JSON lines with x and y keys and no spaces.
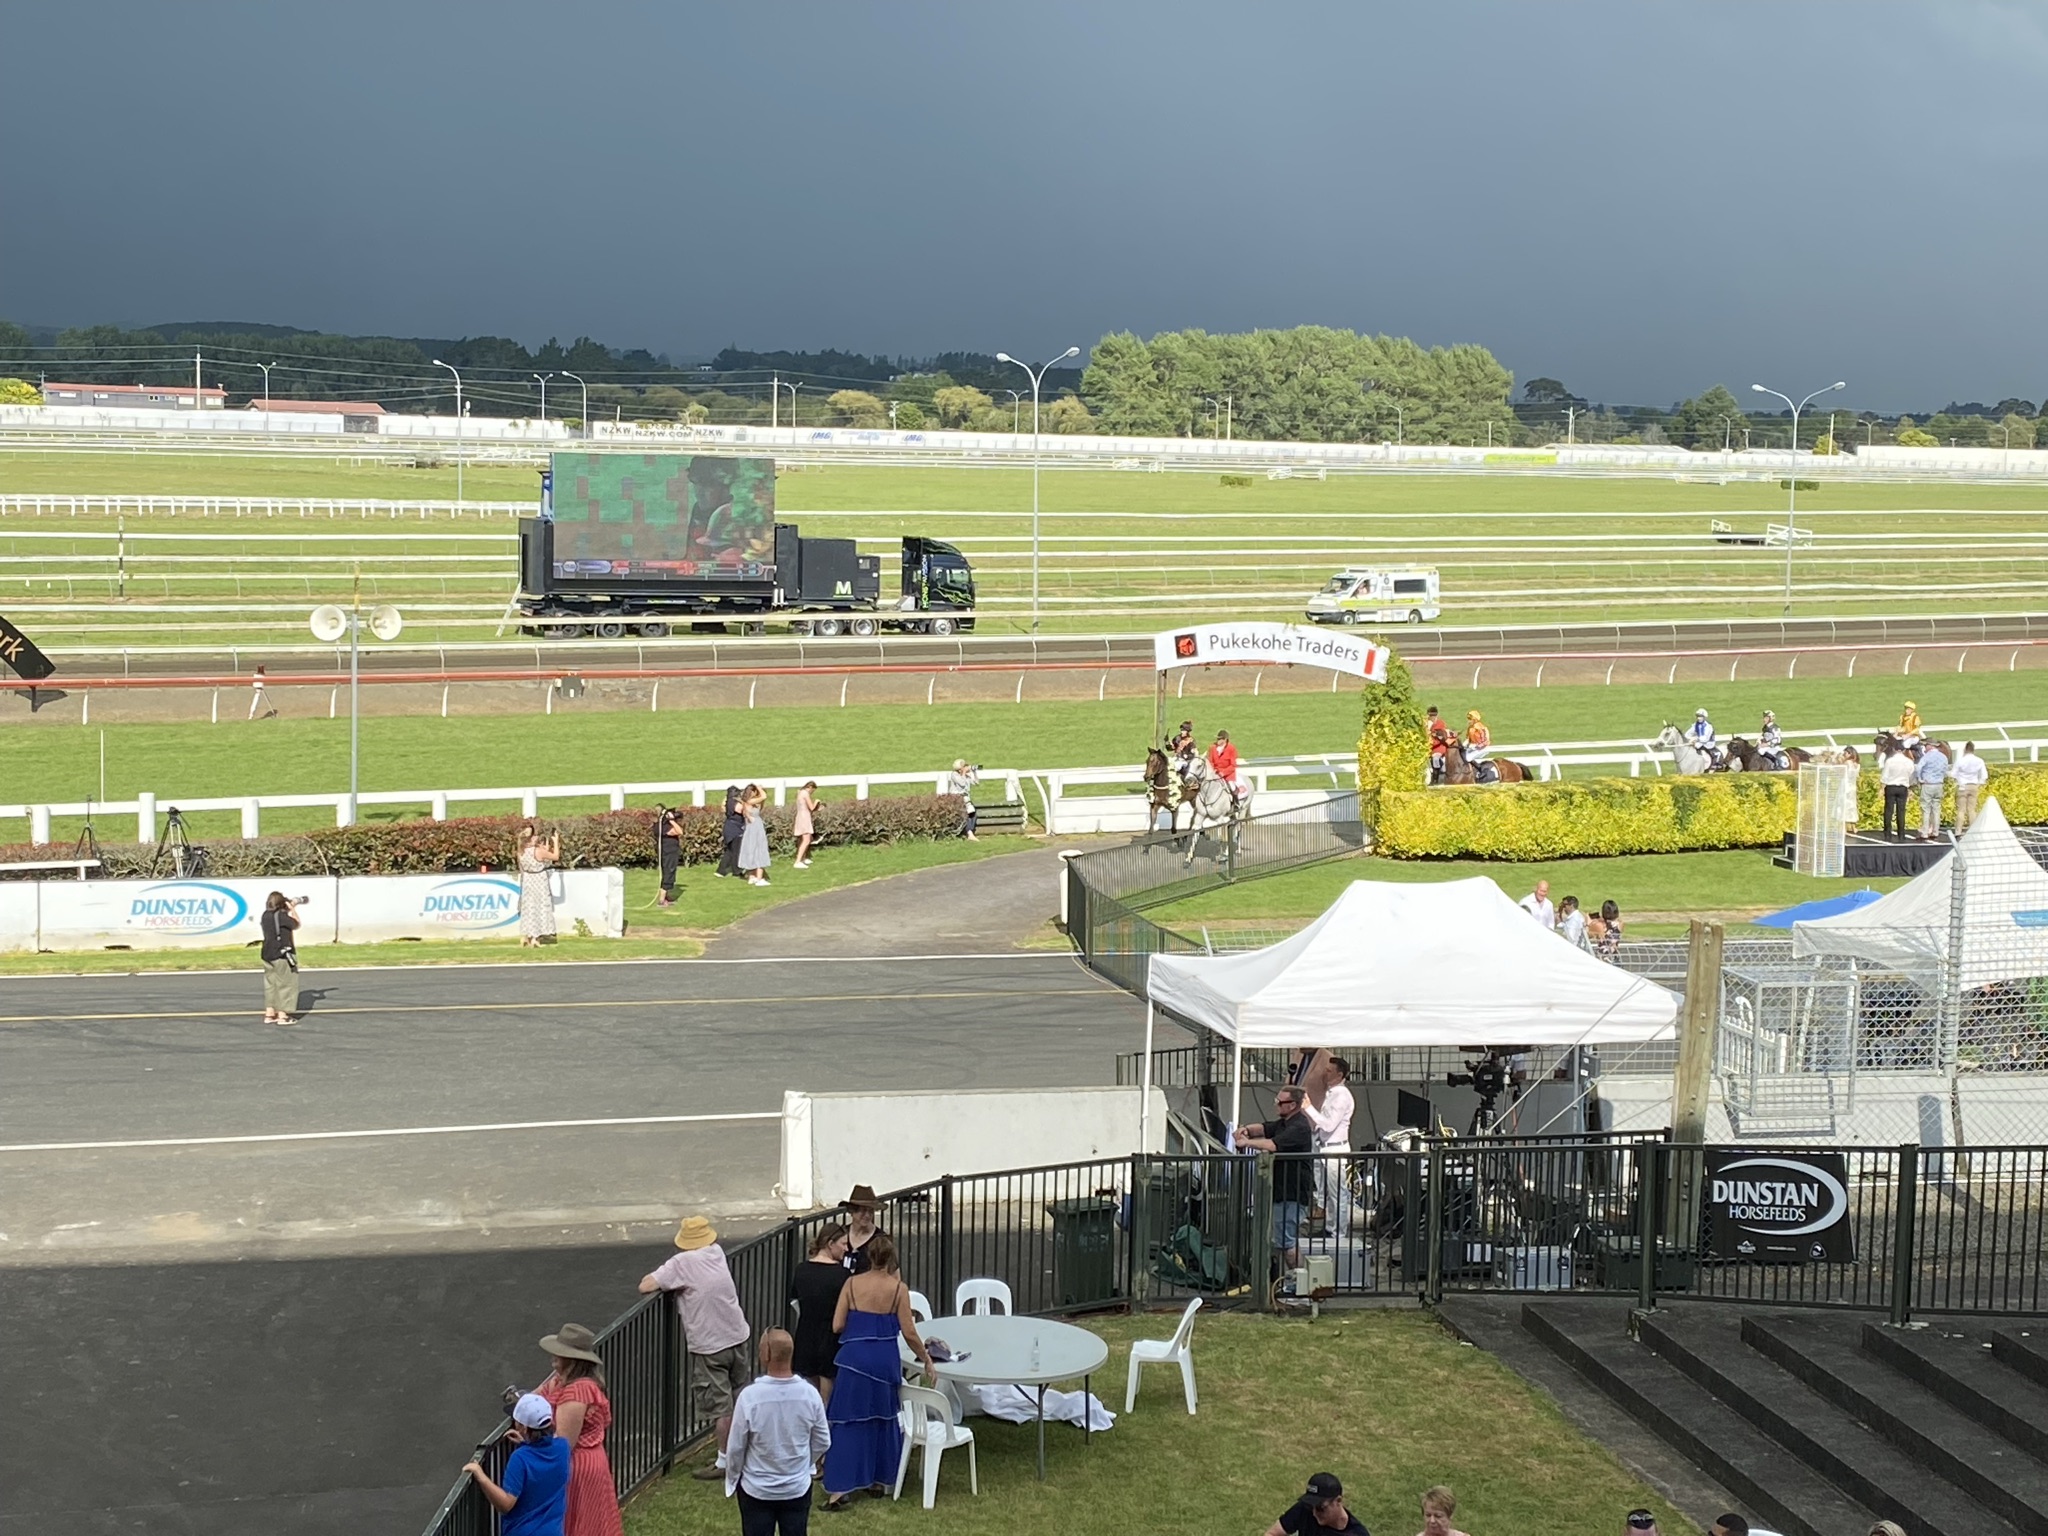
{"x":535,"y":1492}
{"x":1930,"y":774}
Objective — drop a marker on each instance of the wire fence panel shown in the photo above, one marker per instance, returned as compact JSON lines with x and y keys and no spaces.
{"x":1979,"y":1230}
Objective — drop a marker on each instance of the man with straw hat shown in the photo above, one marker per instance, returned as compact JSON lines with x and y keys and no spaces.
{"x":714,"y":1327}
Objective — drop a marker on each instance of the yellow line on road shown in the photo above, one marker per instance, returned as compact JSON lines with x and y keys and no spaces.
{"x":530,"y":1007}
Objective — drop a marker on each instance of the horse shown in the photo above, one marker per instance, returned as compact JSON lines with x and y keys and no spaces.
{"x":1161,"y":793}
{"x":1746,"y":757}
{"x":1888,"y":742}
{"x":1687,"y":757}
{"x":1214,"y":806}
{"x":1458,"y":771}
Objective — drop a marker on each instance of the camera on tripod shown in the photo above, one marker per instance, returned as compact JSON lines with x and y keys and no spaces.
{"x":1489,"y":1077}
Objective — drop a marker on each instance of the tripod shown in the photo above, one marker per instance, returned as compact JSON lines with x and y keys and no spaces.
{"x":88,"y":844}
{"x":187,"y":862}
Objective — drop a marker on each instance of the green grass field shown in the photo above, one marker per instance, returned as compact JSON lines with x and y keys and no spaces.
{"x":1387,"y":1400}
{"x":1118,"y":549}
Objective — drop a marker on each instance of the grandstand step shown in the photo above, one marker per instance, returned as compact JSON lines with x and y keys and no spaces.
{"x":1774,"y":1485}
{"x":2022,"y":1350}
{"x":1960,"y":1366}
{"x":1714,"y":1352}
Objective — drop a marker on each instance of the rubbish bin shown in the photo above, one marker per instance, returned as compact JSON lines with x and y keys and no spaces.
{"x":1083,"y":1250}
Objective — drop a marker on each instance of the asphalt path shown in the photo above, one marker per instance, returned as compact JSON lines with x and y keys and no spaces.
{"x":157,"y":1117}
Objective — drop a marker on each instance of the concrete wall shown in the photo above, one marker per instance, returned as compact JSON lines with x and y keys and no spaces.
{"x":833,"y":1141}
{"x":1875,"y":1110}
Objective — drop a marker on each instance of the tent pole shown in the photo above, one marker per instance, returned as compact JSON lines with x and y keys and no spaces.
{"x":1145,"y":1088}
{"x":1236,"y":1081}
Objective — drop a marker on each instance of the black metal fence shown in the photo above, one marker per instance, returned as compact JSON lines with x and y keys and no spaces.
{"x":1919,"y":1230}
{"x":1109,"y":891}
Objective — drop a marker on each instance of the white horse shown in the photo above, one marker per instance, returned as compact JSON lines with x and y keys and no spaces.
{"x":1687,"y":757}
{"x":1214,"y":806}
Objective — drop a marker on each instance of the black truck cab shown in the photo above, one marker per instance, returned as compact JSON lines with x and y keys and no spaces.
{"x":937,"y":580}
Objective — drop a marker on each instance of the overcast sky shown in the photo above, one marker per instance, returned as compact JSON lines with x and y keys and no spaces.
{"x":1640,"y":199}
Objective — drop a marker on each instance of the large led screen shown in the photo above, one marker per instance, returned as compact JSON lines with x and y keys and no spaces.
{"x":663,"y":516}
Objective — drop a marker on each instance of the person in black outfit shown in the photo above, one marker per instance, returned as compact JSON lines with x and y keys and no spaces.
{"x":1292,"y":1137}
{"x":735,"y":829}
{"x":280,"y":959}
{"x":1320,"y":1509}
{"x":815,"y":1289}
{"x":668,"y":843}
{"x":861,"y":1227}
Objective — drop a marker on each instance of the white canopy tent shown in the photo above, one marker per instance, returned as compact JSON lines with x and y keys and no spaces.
{"x":1453,"y":962}
{"x":1979,"y":916}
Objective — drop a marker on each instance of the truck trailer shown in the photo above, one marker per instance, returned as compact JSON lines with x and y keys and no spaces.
{"x":646,"y":544}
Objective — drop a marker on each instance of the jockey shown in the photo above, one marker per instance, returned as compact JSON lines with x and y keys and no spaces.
{"x":1478,"y":747}
{"x":1909,"y":725}
{"x":1182,"y":748}
{"x":1770,"y":742}
{"x":1441,"y":736}
{"x":1223,"y":763}
{"x":1702,"y":733}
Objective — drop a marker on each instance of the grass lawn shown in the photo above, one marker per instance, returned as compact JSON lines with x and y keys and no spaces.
{"x":1741,"y":881}
{"x":1387,"y":1400}
{"x":704,"y":904}
{"x":305,"y":756}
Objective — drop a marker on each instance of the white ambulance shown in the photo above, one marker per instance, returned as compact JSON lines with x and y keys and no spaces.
{"x":1396,"y":595}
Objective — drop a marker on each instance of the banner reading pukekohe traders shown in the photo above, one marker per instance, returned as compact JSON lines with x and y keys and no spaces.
{"x":1779,"y":1207}
{"x":1199,"y":645}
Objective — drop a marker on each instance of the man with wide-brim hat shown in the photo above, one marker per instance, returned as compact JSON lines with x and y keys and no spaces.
{"x":714,"y":1327}
{"x":860,"y":1208}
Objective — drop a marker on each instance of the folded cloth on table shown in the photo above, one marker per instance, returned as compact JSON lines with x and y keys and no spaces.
{"x":1019,"y":1405}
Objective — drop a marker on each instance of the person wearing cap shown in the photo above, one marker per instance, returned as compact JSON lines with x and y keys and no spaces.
{"x":779,"y":1434}
{"x":583,"y":1412}
{"x":1319,"y":1509}
{"x":1182,"y":748}
{"x":1441,"y":739}
{"x":861,"y":1227}
{"x":1909,"y":725}
{"x":1223,"y":764}
{"x":1770,"y":742}
{"x":1479,"y":748}
{"x":534,"y":1491}
{"x":1701,"y":735}
{"x":714,"y":1327}
{"x":961,"y":782}
{"x":1640,"y":1523}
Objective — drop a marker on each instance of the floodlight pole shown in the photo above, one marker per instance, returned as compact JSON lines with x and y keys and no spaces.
{"x":266,"y":367}
{"x":1792,"y":480}
{"x":586,"y":398}
{"x":1016,"y":411}
{"x":544,"y":377}
{"x":1037,"y":379}
{"x":458,"y":432}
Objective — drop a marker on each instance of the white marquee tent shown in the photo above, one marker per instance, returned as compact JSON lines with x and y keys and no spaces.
{"x":1998,"y":931}
{"x":1451,"y":963}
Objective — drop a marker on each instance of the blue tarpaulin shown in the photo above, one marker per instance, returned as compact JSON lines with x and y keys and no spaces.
{"x":1807,"y":911}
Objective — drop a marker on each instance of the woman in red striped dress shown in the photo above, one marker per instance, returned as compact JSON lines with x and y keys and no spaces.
{"x":582,"y":1415}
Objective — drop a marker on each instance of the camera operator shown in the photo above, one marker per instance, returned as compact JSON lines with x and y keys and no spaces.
{"x":965,"y":776}
{"x":668,"y":849}
{"x":280,"y":958}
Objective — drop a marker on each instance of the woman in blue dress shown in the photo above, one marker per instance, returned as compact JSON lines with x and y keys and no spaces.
{"x":867,"y":1439}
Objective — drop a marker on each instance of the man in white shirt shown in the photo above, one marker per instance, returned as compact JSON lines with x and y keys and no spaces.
{"x":778,"y":1436}
{"x":1897,"y":778}
{"x":1571,"y":923}
{"x":1537,"y":905}
{"x":1329,"y":1110}
{"x":1970,"y":775}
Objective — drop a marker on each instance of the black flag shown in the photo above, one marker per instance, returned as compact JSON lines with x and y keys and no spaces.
{"x":19,"y":652}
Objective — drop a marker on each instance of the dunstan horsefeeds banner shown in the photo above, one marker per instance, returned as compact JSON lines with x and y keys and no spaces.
{"x":1200,"y":644}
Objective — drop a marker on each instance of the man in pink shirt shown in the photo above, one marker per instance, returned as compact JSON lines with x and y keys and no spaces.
{"x":714,"y":1327}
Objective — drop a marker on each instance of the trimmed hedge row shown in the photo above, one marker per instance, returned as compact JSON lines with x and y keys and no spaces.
{"x":621,"y":838}
{"x":1575,"y":818}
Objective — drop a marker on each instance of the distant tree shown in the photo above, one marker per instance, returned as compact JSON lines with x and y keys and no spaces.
{"x":957,"y":403}
{"x":15,"y":341}
{"x":1548,"y":392}
{"x":858,"y":408}
{"x":1825,"y":445}
{"x":919,"y":387}
{"x":1698,"y":422}
{"x":1906,"y":435}
{"x":2018,"y":433}
{"x":665,"y":402}
{"x":1068,"y":415}
{"x":19,"y":392}
{"x":910,"y":417}
{"x":2013,"y":406}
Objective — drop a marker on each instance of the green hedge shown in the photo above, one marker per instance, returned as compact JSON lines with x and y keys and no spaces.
{"x":1569,"y":818}
{"x":621,"y":838}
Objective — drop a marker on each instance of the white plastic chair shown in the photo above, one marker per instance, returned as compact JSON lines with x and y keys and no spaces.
{"x":920,"y":1309}
{"x":1178,"y":1350}
{"x":929,"y":1421}
{"x":975,"y":1296}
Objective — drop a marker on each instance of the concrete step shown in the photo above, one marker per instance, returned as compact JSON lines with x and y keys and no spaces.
{"x":1959,"y":1366}
{"x":1827,"y":1354}
{"x":1710,"y":1348}
{"x":2022,"y":1350}
{"x":1773,"y":1486}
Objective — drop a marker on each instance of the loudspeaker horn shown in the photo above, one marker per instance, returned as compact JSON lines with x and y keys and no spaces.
{"x":385,"y":622}
{"x":329,"y":622}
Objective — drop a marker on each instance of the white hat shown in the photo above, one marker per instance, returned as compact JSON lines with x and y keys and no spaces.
{"x":532,"y":1410}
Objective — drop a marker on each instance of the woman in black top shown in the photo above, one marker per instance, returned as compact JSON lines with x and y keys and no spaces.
{"x":815,"y":1290}
{"x":735,"y":828}
{"x":280,"y":959}
{"x":668,"y":847}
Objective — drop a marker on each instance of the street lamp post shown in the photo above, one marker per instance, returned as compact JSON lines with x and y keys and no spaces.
{"x":586,"y":398}
{"x":1016,"y":410}
{"x":1037,"y":380}
{"x":1792,"y":480}
{"x":1727,"y":432}
{"x":544,"y":377}
{"x":458,"y":431}
{"x":266,"y":367}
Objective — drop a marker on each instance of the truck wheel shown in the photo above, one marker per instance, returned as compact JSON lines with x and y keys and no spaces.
{"x":655,"y":630}
{"x":755,"y":628}
{"x":567,"y":631}
{"x":943,"y":626}
{"x":863,"y":627}
{"x":1350,"y":615}
{"x":611,"y":629}
{"x":825,"y":629}
{"x":1414,"y":615}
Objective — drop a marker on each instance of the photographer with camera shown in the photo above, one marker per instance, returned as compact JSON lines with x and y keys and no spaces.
{"x":280,"y":957}
{"x":668,"y":850}
{"x":964,"y":777}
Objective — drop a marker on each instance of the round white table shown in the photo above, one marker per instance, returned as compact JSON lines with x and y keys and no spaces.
{"x":1000,"y":1352}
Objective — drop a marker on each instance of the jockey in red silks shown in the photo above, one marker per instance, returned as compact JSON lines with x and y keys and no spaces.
{"x":1441,"y":737}
{"x":1223,"y":763}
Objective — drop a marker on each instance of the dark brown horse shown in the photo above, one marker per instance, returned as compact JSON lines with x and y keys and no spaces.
{"x":1744,"y":756}
{"x":1161,"y":793}
{"x":1458,"y":771}
{"x":1888,"y":741}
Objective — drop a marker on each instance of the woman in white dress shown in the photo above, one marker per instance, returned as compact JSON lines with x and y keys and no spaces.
{"x":537,"y":856}
{"x":754,"y":837}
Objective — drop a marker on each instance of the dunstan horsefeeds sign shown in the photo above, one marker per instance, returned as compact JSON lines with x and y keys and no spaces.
{"x":1782,"y":1208}
{"x":1201,"y":644}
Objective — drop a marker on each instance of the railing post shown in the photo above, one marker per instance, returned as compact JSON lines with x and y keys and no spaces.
{"x":947,"y":1281}
{"x":669,"y":1406}
{"x":1649,"y":1184}
{"x":1905,"y":1229}
{"x":1433,"y":1281}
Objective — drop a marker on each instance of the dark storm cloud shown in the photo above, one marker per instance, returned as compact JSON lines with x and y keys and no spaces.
{"x":1640,"y":199}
